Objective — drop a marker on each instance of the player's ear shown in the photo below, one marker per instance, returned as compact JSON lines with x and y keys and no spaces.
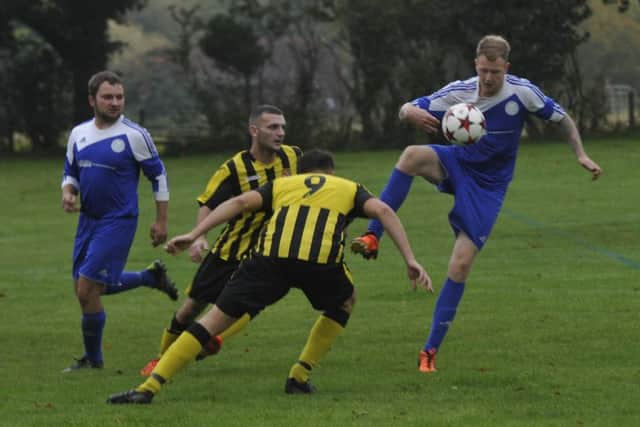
{"x":253,"y":130}
{"x":507,"y":66}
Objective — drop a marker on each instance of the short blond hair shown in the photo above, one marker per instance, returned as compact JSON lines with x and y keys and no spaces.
{"x":493,"y":47}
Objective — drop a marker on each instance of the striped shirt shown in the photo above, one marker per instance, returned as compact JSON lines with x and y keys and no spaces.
{"x":310,"y":215}
{"x":237,"y":175}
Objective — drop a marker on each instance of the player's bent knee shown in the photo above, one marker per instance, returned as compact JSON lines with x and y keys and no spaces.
{"x":420,"y":160}
{"x":349,"y":303}
{"x":407,"y":161}
{"x":338,"y":315}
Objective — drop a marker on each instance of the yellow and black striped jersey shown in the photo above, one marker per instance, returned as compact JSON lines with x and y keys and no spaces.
{"x":309,"y":215}
{"x":237,"y":175}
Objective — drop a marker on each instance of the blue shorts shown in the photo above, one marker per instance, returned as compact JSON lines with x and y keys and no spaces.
{"x":476,"y":206}
{"x":101,"y":248}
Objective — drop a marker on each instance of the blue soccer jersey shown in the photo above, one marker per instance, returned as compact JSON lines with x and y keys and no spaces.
{"x":492,"y":158}
{"x":104,"y":165}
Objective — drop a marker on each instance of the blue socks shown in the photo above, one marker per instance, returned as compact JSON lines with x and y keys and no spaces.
{"x":444,"y":312}
{"x":92,"y":327}
{"x":393,"y":194}
{"x":131,"y":280}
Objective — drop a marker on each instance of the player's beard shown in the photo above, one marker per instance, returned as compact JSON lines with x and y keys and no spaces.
{"x":107,"y":117}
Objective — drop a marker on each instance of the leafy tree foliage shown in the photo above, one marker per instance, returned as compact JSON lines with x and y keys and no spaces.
{"x":77,"y":30}
{"x":235,"y":47}
{"x":214,"y":93}
{"x":292,"y":33}
{"x":72,"y":36}
{"x":37,"y":106}
{"x":260,"y":52}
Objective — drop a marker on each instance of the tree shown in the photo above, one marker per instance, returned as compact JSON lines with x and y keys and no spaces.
{"x":371,"y":37}
{"x":211,"y":88}
{"x":293,"y":35}
{"x":52,"y":43}
{"x":77,"y":30}
{"x":274,"y":58}
{"x":235,"y":47}
{"x":38,"y":90}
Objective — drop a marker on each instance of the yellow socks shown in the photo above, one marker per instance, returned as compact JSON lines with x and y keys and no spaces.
{"x":168,"y":338}
{"x":321,"y":337}
{"x":237,"y":326}
{"x":183,"y":351}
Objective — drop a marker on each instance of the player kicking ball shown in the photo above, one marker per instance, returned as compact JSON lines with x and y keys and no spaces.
{"x":477,"y":175}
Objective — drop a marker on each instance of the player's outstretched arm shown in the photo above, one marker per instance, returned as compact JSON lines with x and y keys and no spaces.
{"x":572,"y":135}
{"x":375,"y":208}
{"x":200,"y":246}
{"x":249,"y":201}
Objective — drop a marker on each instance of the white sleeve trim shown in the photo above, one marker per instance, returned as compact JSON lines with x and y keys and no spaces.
{"x":70,"y":180}
{"x":162,"y":195}
{"x":557,"y":116}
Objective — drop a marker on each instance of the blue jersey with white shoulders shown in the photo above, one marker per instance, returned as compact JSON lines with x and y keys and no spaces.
{"x":104,"y":165}
{"x":492,"y":159}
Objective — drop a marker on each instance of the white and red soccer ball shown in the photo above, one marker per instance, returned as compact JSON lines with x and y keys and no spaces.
{"x":463,"y":124}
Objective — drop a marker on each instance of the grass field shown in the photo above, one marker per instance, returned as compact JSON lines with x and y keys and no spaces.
{"x":546,"y":335}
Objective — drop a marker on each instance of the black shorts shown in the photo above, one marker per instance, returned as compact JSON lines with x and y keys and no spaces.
{"x":211,"y":277}
{"x":261,"y":281}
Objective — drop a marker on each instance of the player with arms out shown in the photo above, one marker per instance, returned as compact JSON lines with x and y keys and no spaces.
{"x":477,"y":175}
{"x":101,"y":170}
{"x":301,"y":246}
{"x":266,"y":159}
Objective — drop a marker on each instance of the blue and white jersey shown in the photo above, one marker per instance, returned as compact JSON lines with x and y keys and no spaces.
{"x":104,"y":165}
{"x":492,"y":158}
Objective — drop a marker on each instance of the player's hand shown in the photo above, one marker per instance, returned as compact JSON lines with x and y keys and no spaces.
{"x":158,"y":233}
{"x":419,"y":276}
{"x":197,"y":249}
{"x":69,"y":202}
{"x":424,"y":120}
{"x":591,"y":166}
{"x":179,"y":243}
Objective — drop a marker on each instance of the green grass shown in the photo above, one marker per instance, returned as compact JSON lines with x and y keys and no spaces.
{"x":546,"y":335}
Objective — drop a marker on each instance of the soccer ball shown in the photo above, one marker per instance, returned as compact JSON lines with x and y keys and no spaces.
{"x":463,"y":124}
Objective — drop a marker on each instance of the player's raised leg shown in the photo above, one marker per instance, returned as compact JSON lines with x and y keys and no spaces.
{"x":415,"y":160}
